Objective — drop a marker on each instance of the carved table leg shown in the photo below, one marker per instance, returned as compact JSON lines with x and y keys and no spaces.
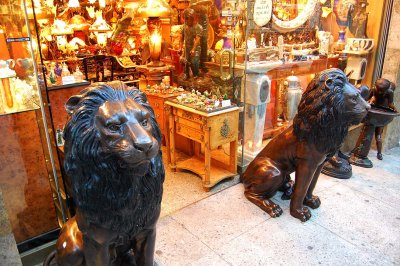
{"x":167,"y":142}
{"x":171,"y":131}
{"x":207,"y":157}
{"x":232,"y":156}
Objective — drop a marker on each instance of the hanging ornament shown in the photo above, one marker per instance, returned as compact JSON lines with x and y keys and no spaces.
{"x":262,"y":12}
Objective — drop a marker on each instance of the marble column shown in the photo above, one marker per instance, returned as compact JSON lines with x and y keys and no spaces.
{"x":391,"y":71}
{"x":8,"y":247}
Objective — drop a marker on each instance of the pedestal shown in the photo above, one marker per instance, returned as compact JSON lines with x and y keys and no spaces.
{"x":154,"y":74}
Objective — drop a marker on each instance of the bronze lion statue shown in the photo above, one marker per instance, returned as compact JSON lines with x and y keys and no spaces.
{"x":115,"y":172}
{"x":328,"y":107}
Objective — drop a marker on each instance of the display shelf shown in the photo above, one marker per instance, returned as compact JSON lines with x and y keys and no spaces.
{"x":196,"y":165}
{"x":20,"y":111}
{"x":67,"y":86}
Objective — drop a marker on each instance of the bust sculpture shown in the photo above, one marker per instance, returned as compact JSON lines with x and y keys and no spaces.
{"x":115,"y":175}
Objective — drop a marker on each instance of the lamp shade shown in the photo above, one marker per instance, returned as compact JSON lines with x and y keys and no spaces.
{"x":154,"y":8}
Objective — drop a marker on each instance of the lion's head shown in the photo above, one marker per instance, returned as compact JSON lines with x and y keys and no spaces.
{"x":327,"y":108}
{"x":112,"y":153}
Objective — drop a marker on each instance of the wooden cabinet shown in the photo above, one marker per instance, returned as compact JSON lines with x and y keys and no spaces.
{"x":157,"y":101}
{"x":209,"y":132}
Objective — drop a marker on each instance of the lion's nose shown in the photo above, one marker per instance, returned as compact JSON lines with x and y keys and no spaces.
{"x":143,"y":146}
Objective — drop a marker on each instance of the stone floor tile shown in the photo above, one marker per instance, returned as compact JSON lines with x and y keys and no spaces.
{"x":177,"y":246}
{"x":362,"y":220}
{"x":210,"y":260}
{"x":374,"y":187}
{"x":220,"y":218}
{"x":287,"y":241}
{"x":325,"y":182}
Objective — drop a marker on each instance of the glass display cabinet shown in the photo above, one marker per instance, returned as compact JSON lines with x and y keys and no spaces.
{"x":286,"y":42}
{"x":30,"y":179}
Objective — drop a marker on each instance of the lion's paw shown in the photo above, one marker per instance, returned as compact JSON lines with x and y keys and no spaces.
{"x":314,"y":202}
{"x":303,"y":215}
{"x":274,"y":210}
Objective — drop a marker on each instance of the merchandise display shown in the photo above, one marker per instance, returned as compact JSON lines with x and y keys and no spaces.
{"x":203,"y":101}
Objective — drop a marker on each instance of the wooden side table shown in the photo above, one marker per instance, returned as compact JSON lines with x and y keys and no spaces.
{"x":157,"y":100}
{"x":209,"y":129}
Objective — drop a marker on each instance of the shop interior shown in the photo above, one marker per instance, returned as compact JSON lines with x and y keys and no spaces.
{"x":223,"y":78}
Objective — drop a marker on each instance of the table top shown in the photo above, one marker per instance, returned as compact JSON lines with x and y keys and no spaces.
{"x":189,"y":109}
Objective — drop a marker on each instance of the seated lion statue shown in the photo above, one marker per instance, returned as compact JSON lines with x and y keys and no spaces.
{"x":328,"y":107}
{"x":115,"y":171}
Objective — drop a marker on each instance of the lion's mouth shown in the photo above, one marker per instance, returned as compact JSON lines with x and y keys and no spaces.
{"x":137,"y":165}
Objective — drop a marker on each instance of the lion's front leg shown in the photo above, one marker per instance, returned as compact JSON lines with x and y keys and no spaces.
{"x":310,"y":200}
{"x":305,"y":170}
{"x":145,"y":243}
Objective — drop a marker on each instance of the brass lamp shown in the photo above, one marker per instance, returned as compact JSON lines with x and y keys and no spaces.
{"x":154,"y":10}
{"x":60,"y":29}
{"x":101,"y":29}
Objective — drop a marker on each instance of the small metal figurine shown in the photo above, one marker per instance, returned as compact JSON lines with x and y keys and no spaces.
{"x":192,"y":33}
{"x":359,"y":19}
{"x":328,"y":107}
{"x":382,"y":113}
{"x":201,"y":8}
{"x":115,"y":175}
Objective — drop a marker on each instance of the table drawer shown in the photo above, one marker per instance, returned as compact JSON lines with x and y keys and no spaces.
{"x":189,"y":132}
{"x":196,"y":118}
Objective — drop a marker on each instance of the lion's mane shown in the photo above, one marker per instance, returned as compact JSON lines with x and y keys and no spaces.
{"x":117,"y":198}
{"x":321,"y":117}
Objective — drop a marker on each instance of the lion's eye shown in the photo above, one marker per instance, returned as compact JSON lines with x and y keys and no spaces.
{"x":354,"y":99}
{"x":114,"y":127}
{"x":144,"y":123}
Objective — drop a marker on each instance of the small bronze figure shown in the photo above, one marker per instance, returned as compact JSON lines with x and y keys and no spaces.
{"x":115,"y":170}
{"x":201,"y":9}
{"x":382,"y":96}
{"x":359,"y":19}
{"x":328,"y":107}
{"x":192,"y":33}
{"x":382,"y":113}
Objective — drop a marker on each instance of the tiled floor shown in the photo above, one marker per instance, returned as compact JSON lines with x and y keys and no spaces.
{"x":184,"y":188}
{"x":358,"y":223}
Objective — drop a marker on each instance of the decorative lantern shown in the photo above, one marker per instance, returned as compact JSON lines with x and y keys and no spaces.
{"x":154,"y":10}
{"x":101,"y":29}
{"x":60,"y":29}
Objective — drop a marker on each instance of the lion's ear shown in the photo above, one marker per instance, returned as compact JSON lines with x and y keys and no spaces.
{"x":71,"y":103}
{"x":329,"y":84}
